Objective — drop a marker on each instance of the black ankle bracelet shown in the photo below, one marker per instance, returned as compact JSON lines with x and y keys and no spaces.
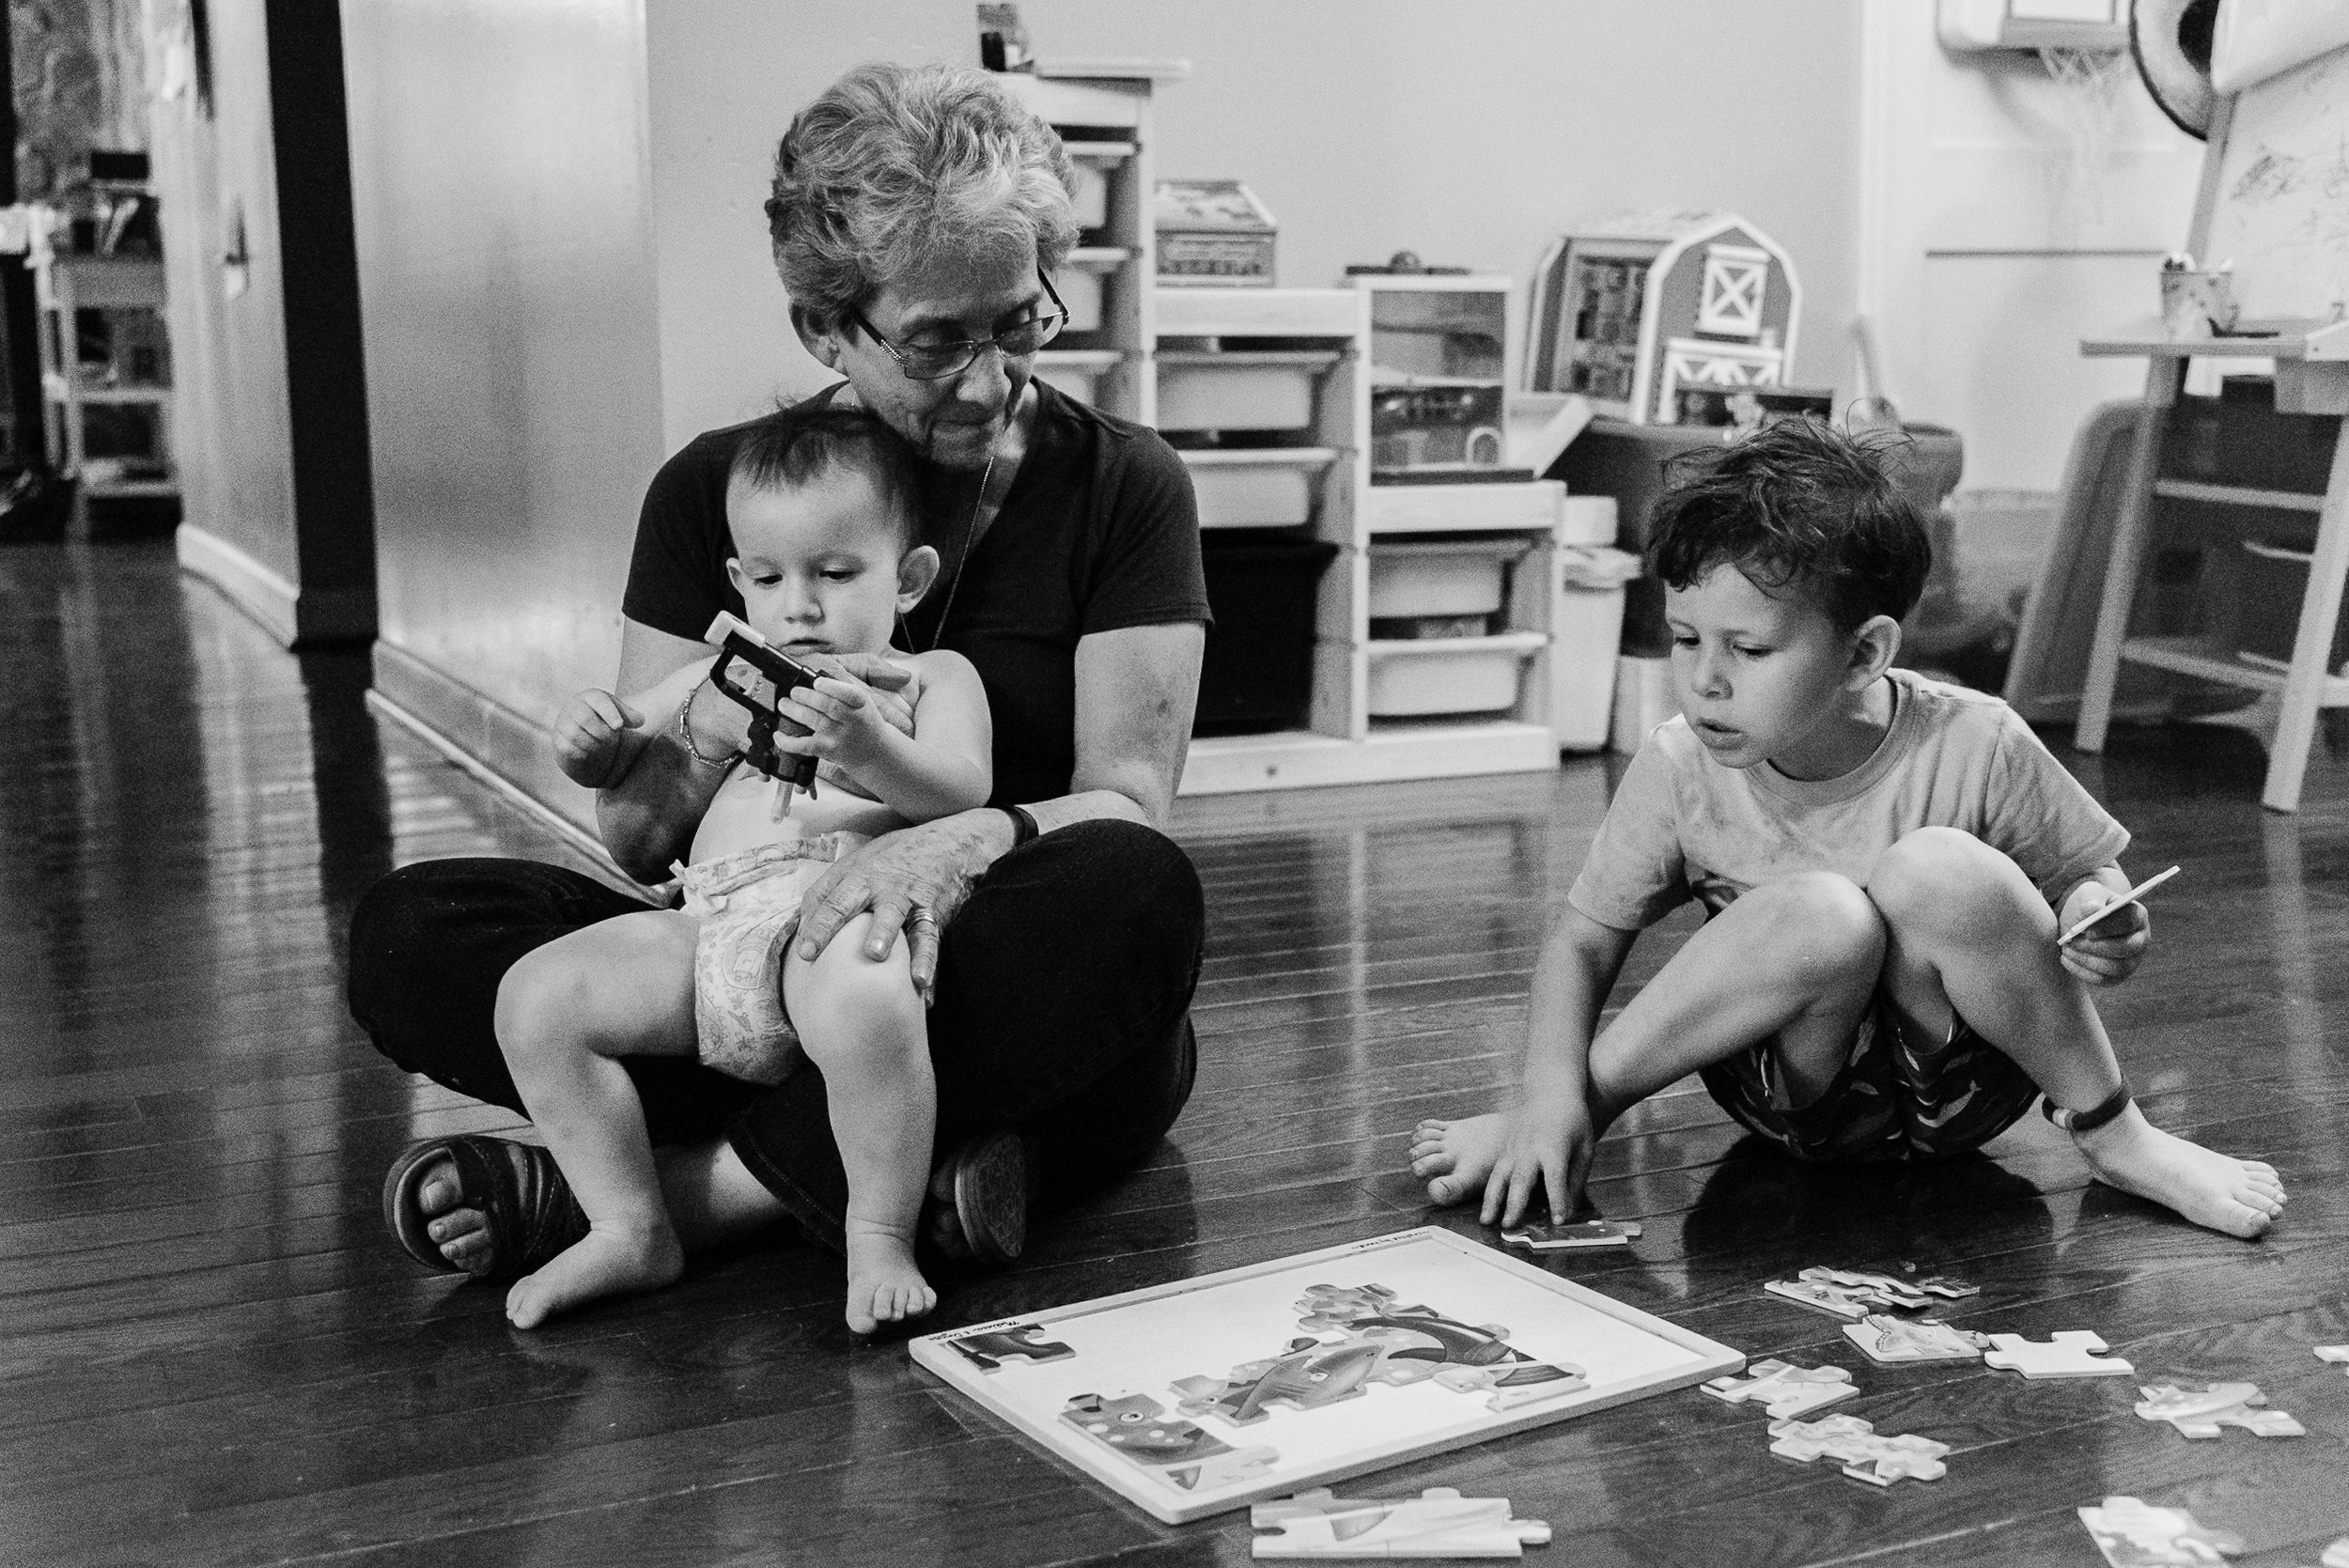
{"x":2077,"y":1121}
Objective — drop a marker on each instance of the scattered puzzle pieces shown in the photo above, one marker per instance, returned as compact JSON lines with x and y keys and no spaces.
{"x":1877,"y":1460}
{"x":1582,"y":1233}
{"x":1382,"y":1341}
{"x":2200,"y":1414}
{"x":2072,"y":1353}
{"x":990,"y":1348}
{"x":1851,"y":1294}
{"x":1894,"y":1341}
{"x":2134,"y":1534}
{"x":1786,"y":1390}
{"x":1437,"y":1523}
{"x":1137,"y":1428}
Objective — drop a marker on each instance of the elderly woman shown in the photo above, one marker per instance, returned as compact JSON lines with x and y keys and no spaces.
{"x":917,"y":217}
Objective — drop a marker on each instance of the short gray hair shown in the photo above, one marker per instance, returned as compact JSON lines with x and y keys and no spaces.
{"x":895,"y":165}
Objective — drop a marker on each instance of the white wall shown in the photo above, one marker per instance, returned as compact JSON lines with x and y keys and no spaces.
{"x":1984,"y":256}
{"x":1475,"y":134}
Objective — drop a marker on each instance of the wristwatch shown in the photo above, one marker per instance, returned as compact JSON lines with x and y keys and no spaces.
{"x":1023,"y":824}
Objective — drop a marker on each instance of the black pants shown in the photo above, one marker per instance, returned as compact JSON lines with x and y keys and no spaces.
{"x":1062,"y":992}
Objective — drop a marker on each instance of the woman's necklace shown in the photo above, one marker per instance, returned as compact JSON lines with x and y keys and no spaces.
{"x":970,"y":539}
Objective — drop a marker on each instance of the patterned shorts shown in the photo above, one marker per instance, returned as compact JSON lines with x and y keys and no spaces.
{"x":1892,"y":1099}
{"x":745,"y":902}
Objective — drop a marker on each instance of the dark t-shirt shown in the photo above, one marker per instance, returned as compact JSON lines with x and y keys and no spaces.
{"x":1098,"y":533}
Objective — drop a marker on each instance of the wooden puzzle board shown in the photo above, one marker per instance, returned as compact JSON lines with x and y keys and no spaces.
{"x":1397,"y":1360}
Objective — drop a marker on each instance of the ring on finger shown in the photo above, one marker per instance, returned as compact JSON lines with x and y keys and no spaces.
{"x":924,"y":917}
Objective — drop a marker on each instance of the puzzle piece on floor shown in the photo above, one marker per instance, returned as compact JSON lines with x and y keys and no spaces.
{"x":1908,"y":1295}
{"x":2071,"y":1354}
{"x":2336,"y":1353}
{"x":2336,"y":1555}
{"x":1785,"y":1390}
{"x":990,"y":1349}
{"x":1137,"y":1428}
{"x":1581,"y":1233}
{"x":1382,"y":1342}
{"x":1867,"y":1456}
{"x":1437,"y":1523}
{"x":1895,"y":1341}
{"x":2200,"y":1413}
{"x":2135,"y":1535}
{"x":1851,"y":1294}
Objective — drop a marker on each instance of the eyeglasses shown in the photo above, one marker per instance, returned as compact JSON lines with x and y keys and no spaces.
{"x":936,"y":362}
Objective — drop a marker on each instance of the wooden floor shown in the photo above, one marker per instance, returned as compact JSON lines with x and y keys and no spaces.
{"x":208,"y":1354}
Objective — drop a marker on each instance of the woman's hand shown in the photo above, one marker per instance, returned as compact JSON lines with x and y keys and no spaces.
{"x":2110,"y":951}
{"x":591,"y":739}
{"x":915,"y":880}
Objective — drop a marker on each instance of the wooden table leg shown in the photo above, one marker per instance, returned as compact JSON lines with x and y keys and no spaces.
{"x":2163,"y":377}
{"x":2313,"y":643}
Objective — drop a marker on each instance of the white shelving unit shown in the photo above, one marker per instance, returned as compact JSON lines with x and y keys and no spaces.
{"x":1101,"y":110}
{"x":66,"y":283}
{"x":1325,"y":334}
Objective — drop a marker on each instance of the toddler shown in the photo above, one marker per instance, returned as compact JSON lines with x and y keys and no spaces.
{"x":823,"y":508}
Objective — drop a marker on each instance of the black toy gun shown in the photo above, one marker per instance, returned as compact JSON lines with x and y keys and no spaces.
{"x":783,"y":673}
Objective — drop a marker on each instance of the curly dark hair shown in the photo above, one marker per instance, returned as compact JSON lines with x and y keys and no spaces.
{"x":1796,"y":504}
{"x":793,"y":445}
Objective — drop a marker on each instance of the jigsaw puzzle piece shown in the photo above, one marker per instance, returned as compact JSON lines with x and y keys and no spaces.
{"x":2134,"y":1534}
{"x":990,"y":1349}
{"x":1843,"y":1301}
{"x":1506,"y":1387}
{"x":1786,"y":1390}
{"x":1338,"y":1307}
{"x":1312,"y":1374}
{"x":2335,"y":1353}
{"x":1437,"y":1523}
{"x":1894,"y":1341}
{"x":1867,"y":1455}
{"x":2200,"y":1414}
{"x":2071,"y":1354}
{"x":2336,"y":1555}
{"x":1138,"y":1429}
{"x":1582,"y":1233}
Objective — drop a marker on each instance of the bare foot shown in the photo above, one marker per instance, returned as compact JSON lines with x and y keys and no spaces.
{"x":609,"y":1260}
{"x":2241,"y":1197}
{"x":884,"y":1286}
{"x":458,"y":1231}
{"x":1456,"y":1156}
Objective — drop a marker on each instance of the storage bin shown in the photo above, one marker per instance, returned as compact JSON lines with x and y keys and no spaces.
{"x":1090,"y":196}
{"x":2267,"y":616}
{"x":1587,"y":520}
{"x":1257,"y":673}
{"x":1643,"y":699}
{"x":1463,"y":577}
{"x":1467,"y":681}
{"x":1244,"y":390}
{"x":1262,"y":489}
{"x":1585,"y":631}
{"x":1080,"y":290}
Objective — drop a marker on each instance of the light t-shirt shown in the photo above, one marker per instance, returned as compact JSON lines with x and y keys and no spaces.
{"x":1683,"y":826}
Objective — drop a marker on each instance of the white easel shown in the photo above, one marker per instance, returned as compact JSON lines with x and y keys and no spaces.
{"x":2312,"y":360}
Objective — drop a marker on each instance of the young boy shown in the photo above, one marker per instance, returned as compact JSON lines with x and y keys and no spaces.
{"x":1884,"y":861}
{"x":823,"y":508}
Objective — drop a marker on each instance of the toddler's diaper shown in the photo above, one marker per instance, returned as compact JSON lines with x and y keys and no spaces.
{"x":745,"y":902}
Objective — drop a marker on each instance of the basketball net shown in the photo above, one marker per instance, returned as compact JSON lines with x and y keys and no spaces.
{"x":2088,"y":103}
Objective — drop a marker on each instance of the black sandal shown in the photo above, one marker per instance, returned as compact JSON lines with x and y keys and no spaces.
{"x":981,"y":1189}
{"x":525,"y":1204}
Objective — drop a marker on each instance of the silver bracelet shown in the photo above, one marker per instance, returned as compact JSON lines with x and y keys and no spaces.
{"x":685,"y":734}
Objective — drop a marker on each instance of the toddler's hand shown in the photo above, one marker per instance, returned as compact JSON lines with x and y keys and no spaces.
{"x":590,"y":737}
{"x":1546,"y":1139}
{"x":846,"y":720}
{"x":2108,"y":952}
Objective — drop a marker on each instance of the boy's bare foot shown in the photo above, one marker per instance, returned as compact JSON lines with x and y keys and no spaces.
{"x":1454,"y":1158}
{"x":884,"y":1286}
{"x":609,"y":1260}
{"x":2241,"y":1197}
